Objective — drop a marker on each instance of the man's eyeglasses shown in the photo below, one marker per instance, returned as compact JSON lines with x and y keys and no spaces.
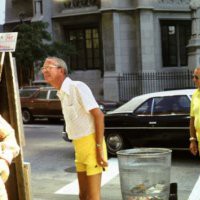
{"x":49,"y":67}
{"x":196,"y":77}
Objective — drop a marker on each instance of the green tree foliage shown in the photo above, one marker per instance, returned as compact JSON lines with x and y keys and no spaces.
{"x":34,"y":43}
{"x":61,"y":50}
{"x":31,"y":43}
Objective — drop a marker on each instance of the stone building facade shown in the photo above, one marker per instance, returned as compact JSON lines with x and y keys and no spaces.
{"x":114,"y":36}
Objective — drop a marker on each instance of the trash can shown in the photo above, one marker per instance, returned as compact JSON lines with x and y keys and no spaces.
{"x":145,"y":173}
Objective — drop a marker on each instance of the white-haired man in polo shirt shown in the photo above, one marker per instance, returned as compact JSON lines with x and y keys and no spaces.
{"x":84,"y":125}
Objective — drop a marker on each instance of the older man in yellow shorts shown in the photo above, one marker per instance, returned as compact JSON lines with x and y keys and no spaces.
{"x":84,"y":125}
{"x":195,"y":115}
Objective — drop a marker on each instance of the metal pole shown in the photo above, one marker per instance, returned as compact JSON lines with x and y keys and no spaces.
{"x":1,"y":64}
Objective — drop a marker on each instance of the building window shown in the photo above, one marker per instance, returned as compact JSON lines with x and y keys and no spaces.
{"x":175,"y":36}
{"x":38,"y":7}
{"x":87,"y":44}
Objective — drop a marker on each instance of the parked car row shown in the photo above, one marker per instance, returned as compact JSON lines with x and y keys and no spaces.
{"x":158,"y":119}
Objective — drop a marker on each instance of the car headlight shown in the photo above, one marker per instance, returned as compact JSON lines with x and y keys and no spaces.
{"x":101,"y":107}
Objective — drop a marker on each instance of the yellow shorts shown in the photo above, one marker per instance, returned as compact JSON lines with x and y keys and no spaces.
{"x":85,"y":155}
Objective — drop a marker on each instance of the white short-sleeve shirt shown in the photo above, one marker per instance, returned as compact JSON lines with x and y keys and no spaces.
{"x":77,"y":100}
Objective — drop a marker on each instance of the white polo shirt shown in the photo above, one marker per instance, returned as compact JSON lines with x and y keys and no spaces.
{"x":77,"y":100}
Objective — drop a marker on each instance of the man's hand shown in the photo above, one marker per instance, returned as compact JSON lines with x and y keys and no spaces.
{"x":100,"y":157}
{"x":193,"y":148}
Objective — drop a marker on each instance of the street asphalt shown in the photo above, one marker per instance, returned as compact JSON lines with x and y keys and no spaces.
{"x":53,"y":174}
{"x":185,"y":177}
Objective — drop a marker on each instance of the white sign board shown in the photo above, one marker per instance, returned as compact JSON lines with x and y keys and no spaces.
{"x":8,"y":41}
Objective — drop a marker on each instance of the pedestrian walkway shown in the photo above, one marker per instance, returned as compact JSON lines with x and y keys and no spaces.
{"x":72,"y":188}
{"x":110,"y":186}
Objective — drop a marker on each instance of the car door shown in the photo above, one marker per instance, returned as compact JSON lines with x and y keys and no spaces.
{"x":134,"y":126}
{"x":54,"y":103}
{"x":170,"y":121}
{"x":38,"y":103}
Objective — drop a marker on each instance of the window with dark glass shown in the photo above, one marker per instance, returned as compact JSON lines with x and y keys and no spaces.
{"x":27,"y":92}
{"x":171,"y":105}
{"x":42,"y":95}
{"x":53,"y":95}
{"x":87,"y":44}
{"x":145,"y":108}
{"x":175,"y":36}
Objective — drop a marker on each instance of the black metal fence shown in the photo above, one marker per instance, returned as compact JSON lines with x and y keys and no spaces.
{"x":131,"y":85}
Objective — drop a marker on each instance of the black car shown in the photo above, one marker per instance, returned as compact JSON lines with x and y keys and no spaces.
{"x":152,"y":120}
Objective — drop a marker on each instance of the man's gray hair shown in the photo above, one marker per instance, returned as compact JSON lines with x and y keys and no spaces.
{"x":60,"y":63}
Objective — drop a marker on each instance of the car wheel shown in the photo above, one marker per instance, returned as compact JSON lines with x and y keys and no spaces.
{"x":114,"y":142}
{"x":26,"y":116}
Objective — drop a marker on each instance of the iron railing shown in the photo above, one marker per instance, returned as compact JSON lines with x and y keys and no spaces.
{"x":135,"y":84}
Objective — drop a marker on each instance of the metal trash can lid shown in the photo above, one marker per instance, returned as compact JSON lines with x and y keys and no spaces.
{"x":144,"y":152}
